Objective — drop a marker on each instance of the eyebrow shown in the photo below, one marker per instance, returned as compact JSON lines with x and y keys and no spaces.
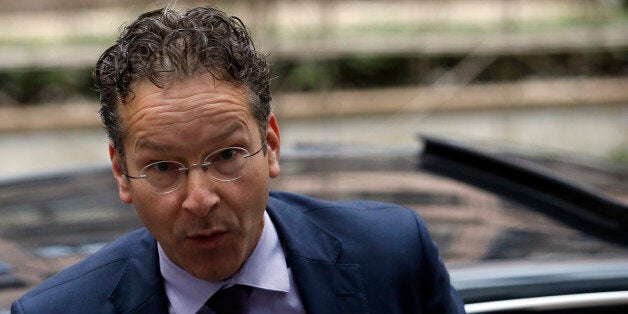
{"x":159,"y":147}
{"x":146,"y":144}
{"x":229,"y":131}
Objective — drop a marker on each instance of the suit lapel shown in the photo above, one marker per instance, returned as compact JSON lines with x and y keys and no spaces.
{"x":140,"y":288}
{"x":324,"y":284}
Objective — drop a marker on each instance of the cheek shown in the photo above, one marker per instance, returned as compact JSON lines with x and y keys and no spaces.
{"x":157,"y":212}
{"x":247,"y":197}
{"x":256,"y":198}
{"x":255,"y":188}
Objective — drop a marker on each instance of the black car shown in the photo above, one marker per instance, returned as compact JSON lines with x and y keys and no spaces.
{"x":520,"y":233}
{"x":584,"y":272}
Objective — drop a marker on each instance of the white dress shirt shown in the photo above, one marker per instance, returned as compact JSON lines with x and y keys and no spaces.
{"x":274,"y":288}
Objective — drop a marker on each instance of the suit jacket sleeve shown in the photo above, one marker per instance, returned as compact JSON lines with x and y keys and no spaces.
{"x":440,"y":296}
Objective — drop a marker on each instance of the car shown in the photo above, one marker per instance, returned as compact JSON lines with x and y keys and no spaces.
{"x":519,"y":232}
{"x":591,"y":283}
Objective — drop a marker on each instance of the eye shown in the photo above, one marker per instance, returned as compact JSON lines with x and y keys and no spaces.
{"x":227,"y":154}
{"x":163,"y":166}
{"x":160,"y":169}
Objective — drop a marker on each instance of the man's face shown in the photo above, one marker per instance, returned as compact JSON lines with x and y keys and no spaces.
{"x":207,"y":227}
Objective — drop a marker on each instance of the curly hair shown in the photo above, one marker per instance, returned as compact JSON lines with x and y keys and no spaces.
{"x":166,"y":45}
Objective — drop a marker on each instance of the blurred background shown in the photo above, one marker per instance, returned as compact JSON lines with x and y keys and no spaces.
{"x":549,"y":75}
{"x":543,"y":77}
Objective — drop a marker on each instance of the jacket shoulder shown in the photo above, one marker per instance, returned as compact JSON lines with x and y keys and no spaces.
{"x":355,"y":212}
{"x":308,"y":204}
{"x":364,"y":227}
{"x":89,"y":281}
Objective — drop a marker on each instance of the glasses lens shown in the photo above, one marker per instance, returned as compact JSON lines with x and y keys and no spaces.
{"x":227,"y":164}
{"x":163,"y":176}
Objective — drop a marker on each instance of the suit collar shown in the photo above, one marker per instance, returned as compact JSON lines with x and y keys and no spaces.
{"x":140,"y":288}
{"x":325,"y":284}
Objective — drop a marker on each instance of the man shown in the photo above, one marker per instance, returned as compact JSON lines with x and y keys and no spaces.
{"x":186,"y":104}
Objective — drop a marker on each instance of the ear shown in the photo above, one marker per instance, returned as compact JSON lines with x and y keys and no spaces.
{"x":123,"y":182}
{"x":273,"y":141}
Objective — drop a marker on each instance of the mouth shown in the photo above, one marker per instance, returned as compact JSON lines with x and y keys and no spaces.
{"x":207,"y":240}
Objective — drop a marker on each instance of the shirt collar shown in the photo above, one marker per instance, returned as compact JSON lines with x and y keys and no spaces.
{"x":266,"y":268}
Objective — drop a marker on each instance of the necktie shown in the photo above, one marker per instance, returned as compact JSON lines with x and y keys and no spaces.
{"x":232,"y":300}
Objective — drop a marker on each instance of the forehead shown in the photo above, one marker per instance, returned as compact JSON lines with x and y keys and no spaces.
{"x":180,"y":108}
{"x":181,"y":87}
{"x":196,"y":92}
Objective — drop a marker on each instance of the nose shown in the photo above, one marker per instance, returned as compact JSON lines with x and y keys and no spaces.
{"x":200,"y":193}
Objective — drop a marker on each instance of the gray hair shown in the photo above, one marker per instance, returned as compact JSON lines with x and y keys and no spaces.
{"x":165,"y":46}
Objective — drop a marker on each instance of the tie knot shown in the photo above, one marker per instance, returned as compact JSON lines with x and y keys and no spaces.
{"x":232,"y":300}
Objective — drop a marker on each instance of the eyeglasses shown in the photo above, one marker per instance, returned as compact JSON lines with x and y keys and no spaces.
{"x":227,"y":164}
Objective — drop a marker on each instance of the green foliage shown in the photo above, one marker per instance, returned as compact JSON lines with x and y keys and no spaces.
{"x":347,"y":72}
{"x":620,"y":154}
{"x":45,"y":85}
{"x":306,"y":76}
{"x":363,"y":71}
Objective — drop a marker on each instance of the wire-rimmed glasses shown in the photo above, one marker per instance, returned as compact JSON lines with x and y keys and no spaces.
{"x":226,"y":164}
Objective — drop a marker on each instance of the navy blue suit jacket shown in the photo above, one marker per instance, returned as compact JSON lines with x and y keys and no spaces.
{"x":347,"y":257}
